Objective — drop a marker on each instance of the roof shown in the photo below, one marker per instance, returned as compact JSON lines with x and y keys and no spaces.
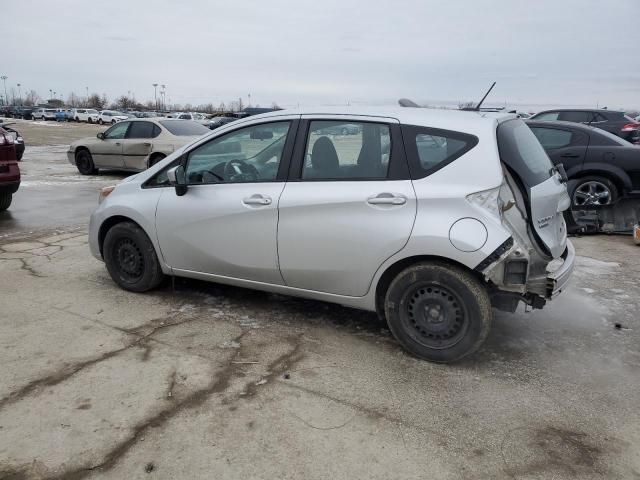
{"x":601,"y":110}
{"x":430,"y":117}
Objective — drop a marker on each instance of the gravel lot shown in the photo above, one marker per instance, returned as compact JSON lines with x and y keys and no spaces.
{"x":203,"y":381}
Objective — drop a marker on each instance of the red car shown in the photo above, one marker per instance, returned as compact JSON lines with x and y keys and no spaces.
{"x":9,"y":171}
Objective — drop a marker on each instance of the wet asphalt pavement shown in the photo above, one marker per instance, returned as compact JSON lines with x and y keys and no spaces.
{"x":197,"y":380}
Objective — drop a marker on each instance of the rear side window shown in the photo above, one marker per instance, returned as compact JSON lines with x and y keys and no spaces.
{"x":142,"y":130}
{"x":184,"y":127}
{"x":521,"y":151}
{"x":430,"y":149}
{"x":576,"y":116}
{"x":552,"y":138}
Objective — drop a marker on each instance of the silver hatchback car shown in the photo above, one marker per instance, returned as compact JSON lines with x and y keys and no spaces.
{"x":428,"y":217}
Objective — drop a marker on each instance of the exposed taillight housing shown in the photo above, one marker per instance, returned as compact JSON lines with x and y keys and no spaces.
{"x":630,"y":127}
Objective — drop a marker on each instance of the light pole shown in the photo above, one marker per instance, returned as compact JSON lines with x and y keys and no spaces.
{"x":162,"y":94}
{"x":19,"y":94}
{"x":155,"y":94}
{"x":4,"y":80}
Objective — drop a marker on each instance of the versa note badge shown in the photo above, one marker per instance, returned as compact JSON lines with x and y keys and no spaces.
{"x":544,"y":221}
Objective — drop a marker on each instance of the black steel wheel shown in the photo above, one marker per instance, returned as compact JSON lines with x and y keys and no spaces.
{"x":438,"y":312}
{"x":434,"y":315}
{"x":84,"y":163}
{"x":131,"y":258}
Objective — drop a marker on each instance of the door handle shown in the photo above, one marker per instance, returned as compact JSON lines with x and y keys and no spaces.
{"x":569,"y":155}
{"x":147,"y":144}
{"x":257,"y":199}
{"x":387,"y":199}
{"x":117,"y":143}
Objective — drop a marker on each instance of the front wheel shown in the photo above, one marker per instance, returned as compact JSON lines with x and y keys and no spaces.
{"x":438,"y":312}
{"x":5,"y":201}
{"x":84,"y":163}
{"x":131,"y":258}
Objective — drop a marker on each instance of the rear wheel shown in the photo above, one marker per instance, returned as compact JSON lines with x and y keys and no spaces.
{"x":131,"y":258}
{"x":438,"y":312}
{"x":593,"y":192}
{"x":99,"y":121}
{"x":84,"y":163}
{"x":5,"y":201}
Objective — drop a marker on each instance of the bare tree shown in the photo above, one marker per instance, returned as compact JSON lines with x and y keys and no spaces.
{"x":95,"y":101}
{"x":32,"y":98}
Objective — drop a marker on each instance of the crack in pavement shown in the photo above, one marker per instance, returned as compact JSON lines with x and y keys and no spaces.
{"x":221,"y":382}
{"x":70,"y":370}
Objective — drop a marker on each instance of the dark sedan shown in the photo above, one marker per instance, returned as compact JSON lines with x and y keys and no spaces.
{"x":604,"y":167}
{"x":612,"y":121}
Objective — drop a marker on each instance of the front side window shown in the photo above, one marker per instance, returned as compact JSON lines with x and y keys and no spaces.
{"x":251,"y":154}
{"x":552,"y":138}
{"x":347,"y":150}
{"x":142,"y":130}
{"x":118,"y":131}
{"x":547,"y":116}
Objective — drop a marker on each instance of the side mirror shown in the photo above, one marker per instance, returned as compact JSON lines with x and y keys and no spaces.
{"x":178,"y":178}
{"x":100,"y":135}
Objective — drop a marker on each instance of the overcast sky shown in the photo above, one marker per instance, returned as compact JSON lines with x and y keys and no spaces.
{"x":564,"y":52}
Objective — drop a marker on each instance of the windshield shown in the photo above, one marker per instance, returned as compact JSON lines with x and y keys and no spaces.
{"x":92,"y":111}
{"x":521,"y":151}
{"x":184,"y":128}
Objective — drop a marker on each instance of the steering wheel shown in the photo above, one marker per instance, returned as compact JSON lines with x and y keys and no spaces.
{"x":239,"y":170}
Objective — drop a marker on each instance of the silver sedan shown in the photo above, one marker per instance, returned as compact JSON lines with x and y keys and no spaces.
{"x":133,"y":145}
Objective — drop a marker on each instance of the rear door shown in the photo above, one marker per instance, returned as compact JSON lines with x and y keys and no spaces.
{"x":542,"y":185}
{"x":348,"y":205}
{"x":138,"y":144}
{"x":563,"y":145}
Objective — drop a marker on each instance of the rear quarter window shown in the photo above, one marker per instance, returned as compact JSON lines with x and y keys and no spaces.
{"x":430,"y":149}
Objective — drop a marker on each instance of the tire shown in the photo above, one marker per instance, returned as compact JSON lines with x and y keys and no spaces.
{"x":131,"y":259}
{"x":99,"y":121}
{"x":84,"y":163}
{"x":77,"y":120}
{"x":113,"y":122}
{"x":438,"y":312}
{"x":5,"y":201}
{"x":593,"y":191}
{"x":155,"y":159}
{"x":89,"y":120}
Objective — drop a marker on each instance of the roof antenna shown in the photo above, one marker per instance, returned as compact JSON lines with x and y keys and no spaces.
{"x":477,"y":107}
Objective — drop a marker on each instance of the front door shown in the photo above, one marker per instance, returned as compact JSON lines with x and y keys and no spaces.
{"x":349,"y":207}
{"x":226,"y":223}
{"x":108,"y":151}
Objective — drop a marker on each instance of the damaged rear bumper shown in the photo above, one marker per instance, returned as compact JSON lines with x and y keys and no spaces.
{"x":558,"y":279}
